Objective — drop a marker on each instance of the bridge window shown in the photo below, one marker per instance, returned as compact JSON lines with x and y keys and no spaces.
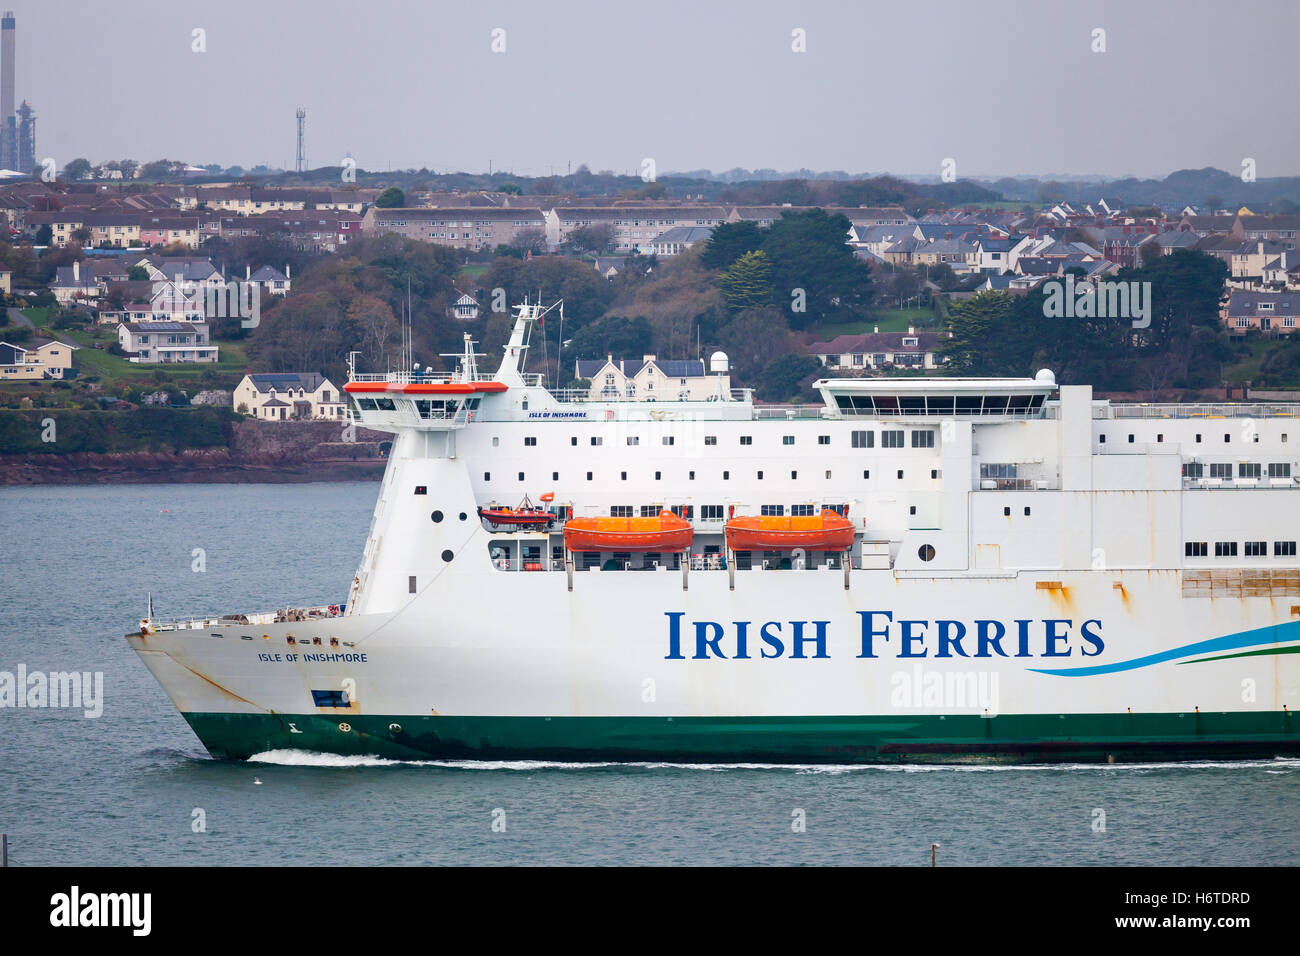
{"x":1193,"y":469}
{"x":891,"y":439}
{"x":922,"y":439}
{"x":1195,"y":549}
{"x":864,"y":439}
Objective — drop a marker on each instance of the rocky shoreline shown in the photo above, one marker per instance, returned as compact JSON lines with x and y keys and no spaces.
{"x":256,"y":452}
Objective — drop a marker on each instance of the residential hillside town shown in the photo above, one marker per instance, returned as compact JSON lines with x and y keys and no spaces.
{"x":111,"y":277}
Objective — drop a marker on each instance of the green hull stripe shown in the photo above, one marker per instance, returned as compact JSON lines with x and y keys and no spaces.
{"x":865,"y":739}
{"x":1294,"y":649}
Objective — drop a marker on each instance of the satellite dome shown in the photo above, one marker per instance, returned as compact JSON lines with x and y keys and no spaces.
{"x":718,"y":362}
{"x":1045,"y":376}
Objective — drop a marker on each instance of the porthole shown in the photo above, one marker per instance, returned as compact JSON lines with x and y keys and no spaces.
{"x":463,"y":516}
{"x":925,"y":552}
{"x":437,"y":516}
{"x":447,"y":555}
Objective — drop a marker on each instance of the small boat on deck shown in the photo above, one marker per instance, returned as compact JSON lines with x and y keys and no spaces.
{"x":828,"y":531}
{"x":525,"y":516}
{"x":666,"y":532}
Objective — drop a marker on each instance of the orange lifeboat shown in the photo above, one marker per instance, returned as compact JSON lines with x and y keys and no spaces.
{"x":667,"y":532}
{"x":829,"y":531}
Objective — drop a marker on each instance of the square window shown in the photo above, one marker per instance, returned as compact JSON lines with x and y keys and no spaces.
{"x":421,"y":489}
{"x":668,"y":439}
{"x":530,"y":441}
{"x":633,"y":439}
{"x":597,"y":440}
{"x":1026,"y":512}
{"x":787,"y":439}
{"x":710,"y":439}
{"x":1006,"y":512}
{"x":823,"y":439}
{"x":747,"y":439}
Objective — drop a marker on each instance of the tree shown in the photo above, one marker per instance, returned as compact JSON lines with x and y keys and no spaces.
{"x":753,"y":339}
{"x":44,"y":236}
{"x":158,"y":169}
{"x":512,"y":189}
{"x":810,"y":252}
{"x":731,"y":240}
{"x":1149,"y":252}
{"x":597,"y":238}
{"x":612,"y":335}
{"x":747,"y":283}
{"x":391,"y":198}
{"x":786,"y":377}
{"x":137,"y":274}
{"x":77,"y":170}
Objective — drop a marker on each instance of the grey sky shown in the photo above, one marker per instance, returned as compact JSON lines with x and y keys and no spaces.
{"x":1004,"y":88}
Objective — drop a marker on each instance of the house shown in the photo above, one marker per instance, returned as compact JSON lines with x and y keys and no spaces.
{"x":1272,"y":313}
{"x":465,"y":308}
{"x":282,"y":396}
{"x":77,"y":281}
{"x":40,"y":359}
{"x":677,"y":240}
{"x":1251,"y":258}
{"x":996,"y":256}
{"x":5,"y":276}
{"x":271,"y":280}
{"x":610,"y":266}
{"x":651,"y":379}
{"x":166,"y":342}
{"x":465,"y":227}
{"x":876,"y":350}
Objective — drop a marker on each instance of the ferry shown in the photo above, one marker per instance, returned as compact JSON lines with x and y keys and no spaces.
{"x":910,"y":570}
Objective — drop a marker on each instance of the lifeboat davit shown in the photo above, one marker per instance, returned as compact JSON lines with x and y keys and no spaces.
{"x":667,"y":532}
{"x":829,"y":531}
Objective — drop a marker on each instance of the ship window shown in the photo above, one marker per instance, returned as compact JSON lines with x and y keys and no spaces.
{"x":658,"y":475}
{"x":772,"y":510}
{"x":651,"y":511}
{"x":1225,"y":549}
{"x":495,"y":442}
{"x":589,"y":476}
{"x":787,"y":439}
{"x":1026,"y":512}
{"x":1227,"y":437}
{"x":623,"y":474}
{"x":597,"y":440}
{"x":385,"y":404}
{"x":1284,"y":549}
{"x":1198,"y":438}
{"x":726,"y":476}
{"x":747,"y":439}
{"x":487,"y":476}
{"x":1195,"y":549}
{"x":710,"y":439}
{"x":691,"y":476}
{"x":1256,"y":549}
{"x":841,"y":510}
{"x":864,"y":439}
{"x":530,"y":441}
{"x":421,"y":489}
{"x":900,"y":474}
{"x":710,"y":512}
{"x":823,"y":439}
{"x":329,"y":698}
{"x":760,"y":476}
{"x":912,"y":510}
{"x":668,"y":439}
{"x":573,"y":440}
{"x":934,"y":472}
{"x":1101,"y":439}
{"x":447,"y":555}
{"x":555,"y":476}
{"x":1193,"y":469}
{"x":521,"y":476}
{"x":828,"y":475}
{"x":891,"y":439}
{"x":1249,"y":469}
{"x":1006,"y":512}
{"x":794,"y":475}
{"x":801,"y":511}
{"x":410,"y":584}
{"x":925,"y":552}
{"x":1221,"y":469}
{"x":922,"y":439}
{"x":867,"y":473}
{"x":620,"y":511}
{"x":1160,"y":437}
{"x":634,"y":439}
{"x":436,"y":516}
{"x":1279,"y":469}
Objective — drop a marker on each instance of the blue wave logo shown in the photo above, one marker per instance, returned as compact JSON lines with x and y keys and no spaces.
{"x":1270,"y":638}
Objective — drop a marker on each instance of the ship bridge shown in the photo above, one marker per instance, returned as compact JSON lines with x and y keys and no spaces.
{"x":938,"y":397}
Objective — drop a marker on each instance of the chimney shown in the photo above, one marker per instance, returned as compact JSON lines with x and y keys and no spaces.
{"x":911,"y":330}
{"x":288,"y":273}
{"x":248,"y":272}
{"x":76,"y":270}
{"x":647,"y":358}
{"x":875,"y":329}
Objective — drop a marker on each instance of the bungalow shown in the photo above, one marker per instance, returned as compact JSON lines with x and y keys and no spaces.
{"x":610,"y":266}
{"x":77,"y":281}
{"x":676,"y":240}
{"x":281,"y":396}
{"x":652,"y":379}
{"x":271,"y":280}
{"x":465,"y":308}
{"x":876,"y":350}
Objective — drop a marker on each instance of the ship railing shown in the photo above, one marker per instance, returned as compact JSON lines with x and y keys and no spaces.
{"x":579,"y":396}
{"x":283,"y":615}
{"x":438,"y":378}
{"x":791,"y":412}
{"x":1207,"y":410}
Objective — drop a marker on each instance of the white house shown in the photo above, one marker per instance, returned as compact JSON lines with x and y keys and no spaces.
{"x":166,"y":342}
{"x":282,"y":396}
{"x":651,"y":379}
{"x":875,"y":350}
{"x":465,"y":308}
{"x":39,"y":359}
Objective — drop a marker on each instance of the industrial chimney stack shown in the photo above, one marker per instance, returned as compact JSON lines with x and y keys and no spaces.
{"x":9,"y":131}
